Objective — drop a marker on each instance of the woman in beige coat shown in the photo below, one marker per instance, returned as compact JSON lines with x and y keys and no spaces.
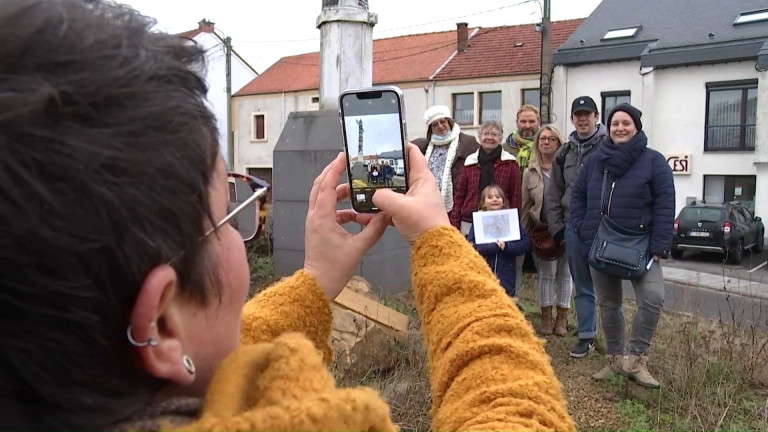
{"x":554,"y":276}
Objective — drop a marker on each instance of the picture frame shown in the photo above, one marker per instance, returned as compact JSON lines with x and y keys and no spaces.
{"x":496,"y":225}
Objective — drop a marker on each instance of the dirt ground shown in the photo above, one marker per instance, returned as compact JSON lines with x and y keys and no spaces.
{"x":592,"y":404}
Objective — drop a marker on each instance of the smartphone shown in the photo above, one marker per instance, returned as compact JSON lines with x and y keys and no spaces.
{"x":373,"y":125}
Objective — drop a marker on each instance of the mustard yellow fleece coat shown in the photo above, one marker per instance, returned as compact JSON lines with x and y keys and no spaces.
{"x":487,"y":369}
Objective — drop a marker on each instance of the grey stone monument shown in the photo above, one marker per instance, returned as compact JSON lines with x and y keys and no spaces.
{"x":310,"y":140}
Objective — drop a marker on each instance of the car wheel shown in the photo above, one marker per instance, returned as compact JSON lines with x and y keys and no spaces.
{"x":677,"y":253}
{"x":736,"y":254}
{"x":760,"y":242}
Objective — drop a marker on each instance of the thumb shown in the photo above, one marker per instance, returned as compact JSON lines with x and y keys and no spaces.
{"x":388,"y":200}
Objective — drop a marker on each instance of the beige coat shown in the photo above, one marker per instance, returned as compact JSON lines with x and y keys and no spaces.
{"x":533,"y":195}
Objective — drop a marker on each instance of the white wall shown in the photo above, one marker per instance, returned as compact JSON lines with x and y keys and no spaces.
{"x":592,"y":80}
{"x":673,"y":102}
{"x":217,"y":81}
{"x":679,"y":111}
{"x":277,"y":106}
{"x":511,"y":99}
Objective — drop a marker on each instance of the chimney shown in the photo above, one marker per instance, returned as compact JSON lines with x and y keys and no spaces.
{"x":346,"y":48}
{"x":462,"y":36}
{"x":205,"y":26}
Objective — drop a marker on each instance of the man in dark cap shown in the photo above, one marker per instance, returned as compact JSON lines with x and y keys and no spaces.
{"x":569,"y":159}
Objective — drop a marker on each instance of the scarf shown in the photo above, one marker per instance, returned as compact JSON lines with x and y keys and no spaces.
{"x":173,"y":412}
{"x":618,"y":158}
{"x":524,"y":146}
{"x":485,"y":160}
{"x":445,"y":182}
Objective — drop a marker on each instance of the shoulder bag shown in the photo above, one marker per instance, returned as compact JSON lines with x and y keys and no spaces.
{"x":617,"y":250}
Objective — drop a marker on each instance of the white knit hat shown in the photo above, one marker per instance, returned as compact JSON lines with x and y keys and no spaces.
{"x":435,"y":113}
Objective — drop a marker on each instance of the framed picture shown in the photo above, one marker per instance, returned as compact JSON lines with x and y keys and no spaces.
{"x":496,"y":225}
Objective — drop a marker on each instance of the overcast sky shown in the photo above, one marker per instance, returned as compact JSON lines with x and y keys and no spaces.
{"x":264,"y":31}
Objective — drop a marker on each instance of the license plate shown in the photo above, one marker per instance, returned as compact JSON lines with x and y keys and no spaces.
{"x":699,"y":234}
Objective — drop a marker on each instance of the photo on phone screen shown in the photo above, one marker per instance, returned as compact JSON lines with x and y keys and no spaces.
{"x":374,"y":142}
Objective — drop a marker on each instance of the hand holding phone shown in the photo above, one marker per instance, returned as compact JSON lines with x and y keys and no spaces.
{"x":373,"y":124}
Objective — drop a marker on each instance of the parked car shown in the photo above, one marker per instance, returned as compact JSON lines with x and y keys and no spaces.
{"x":399,"y":170}
{"x":727,"y":228}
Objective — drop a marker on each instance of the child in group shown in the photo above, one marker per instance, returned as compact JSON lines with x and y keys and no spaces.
{"x":500,"y":255}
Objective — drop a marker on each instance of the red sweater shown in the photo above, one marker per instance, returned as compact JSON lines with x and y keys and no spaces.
{"x":466,"y":196}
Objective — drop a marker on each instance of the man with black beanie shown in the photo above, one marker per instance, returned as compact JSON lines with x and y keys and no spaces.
{"x":569,"y":159}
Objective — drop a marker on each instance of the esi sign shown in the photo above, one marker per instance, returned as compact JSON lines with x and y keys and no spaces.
{"x":679,"y":163}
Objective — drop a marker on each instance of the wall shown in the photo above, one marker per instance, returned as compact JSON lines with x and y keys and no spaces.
{"x":418,"y":97}
{"x":679,"y":111}
{"x":511,"y":98}
{"x":217,"y":81}
{"x":592,"y":80}
{"x":673,"y":102}
{"x":277,"y":106}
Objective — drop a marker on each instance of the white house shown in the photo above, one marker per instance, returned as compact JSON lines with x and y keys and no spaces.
{"x":698,"y":71}
{"x":216,"y":74}
{"x":479,"y":73}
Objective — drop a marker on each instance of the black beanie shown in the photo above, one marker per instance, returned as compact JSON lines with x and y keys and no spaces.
{"x":631,"y":111}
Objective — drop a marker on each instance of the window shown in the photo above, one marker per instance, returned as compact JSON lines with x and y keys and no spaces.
{"x":731,"y":116}
{"x":259,"y":127}
{"x":490,"y":106}
{"x":628,"y":32}
{"x":610,"y":100}
{"x":314,"y":100}
{"x":464,"y":108}
{"x":750,"y":17}
{"x":721,"y":189}
{"x":531,"y":97}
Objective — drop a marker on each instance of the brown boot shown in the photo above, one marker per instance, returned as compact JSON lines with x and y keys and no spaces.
{"x":637,"y":369}
{"x":546,"y":320}
{"x":561,"y":322}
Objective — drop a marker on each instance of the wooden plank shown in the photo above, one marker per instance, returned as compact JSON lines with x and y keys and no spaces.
{"x":372,"y":310}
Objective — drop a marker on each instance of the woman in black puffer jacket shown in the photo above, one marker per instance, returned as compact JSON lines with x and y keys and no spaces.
{"x":640,"y":194}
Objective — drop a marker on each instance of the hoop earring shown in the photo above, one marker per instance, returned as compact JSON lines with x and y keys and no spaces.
{"x":189,"y":365}
{"x":149,"y":342}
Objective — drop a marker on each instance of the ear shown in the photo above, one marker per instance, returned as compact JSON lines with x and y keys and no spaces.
{"x":156,"y":314}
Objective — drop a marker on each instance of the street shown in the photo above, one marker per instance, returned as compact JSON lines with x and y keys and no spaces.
{"x":720,"y":306}
{"x":719,"y":303}
{"x":752,"y":267}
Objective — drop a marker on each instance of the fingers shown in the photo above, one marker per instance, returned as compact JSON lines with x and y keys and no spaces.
{"x":327,"y":181}
{"x":342,"y":192}
{"x":372,"y":232}
{"x":349,"y":215}
{"x":417,"y":165}
{"x":313,"y":194}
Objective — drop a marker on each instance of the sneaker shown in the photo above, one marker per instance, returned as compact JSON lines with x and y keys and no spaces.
{"x":615,"y":364}
{"x":637,"y":369}
{"x":582,"y":348}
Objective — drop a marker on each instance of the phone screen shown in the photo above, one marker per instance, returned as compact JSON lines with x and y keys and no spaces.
{"x":374,"y":141}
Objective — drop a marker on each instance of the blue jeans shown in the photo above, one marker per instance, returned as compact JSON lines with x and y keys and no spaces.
{"x":584,"y":290}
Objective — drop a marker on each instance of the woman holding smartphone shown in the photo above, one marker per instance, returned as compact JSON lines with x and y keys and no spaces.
{"x":123,"y":290}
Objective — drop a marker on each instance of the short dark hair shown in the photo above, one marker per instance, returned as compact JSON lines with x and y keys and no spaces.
{"x":107,"y":150}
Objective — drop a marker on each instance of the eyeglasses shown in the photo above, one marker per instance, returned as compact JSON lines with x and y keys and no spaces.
{"x":231,"y":215}
{"x":550,"y":139}
{"x":490,"y":134}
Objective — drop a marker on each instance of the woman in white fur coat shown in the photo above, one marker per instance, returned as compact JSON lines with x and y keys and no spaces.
{"x":445,"y":148}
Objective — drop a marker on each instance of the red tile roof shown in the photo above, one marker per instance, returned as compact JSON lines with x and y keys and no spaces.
{"x":419,"y":57}
{"x":510,"y":50}
{"x":190,"y":34}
